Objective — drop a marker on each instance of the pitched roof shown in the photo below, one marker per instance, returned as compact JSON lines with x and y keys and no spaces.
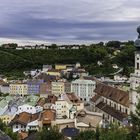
{"x":3,"y":83}
{"x":95,"y":98}
{"x":51,"y":99}
{"x":41,"y":102}
{"x":46,"y":77}
{"x":89,"y":118}
{"x":72,"y":97}
{"x":117,"y":95}
{"x":111,"y":111}
{"x":47,"y":116}
{"x":53,"y":70}
{"x":24,"y":118}
{"x":22,"y":135}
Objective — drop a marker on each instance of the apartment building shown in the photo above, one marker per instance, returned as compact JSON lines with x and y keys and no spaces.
{"x":83,"y":88}
{"x":67,"y":105}
{"x":58,"y":88}
{"x":18,"y":88}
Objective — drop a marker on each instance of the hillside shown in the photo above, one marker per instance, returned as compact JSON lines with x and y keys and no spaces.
{"x":12,"y":60}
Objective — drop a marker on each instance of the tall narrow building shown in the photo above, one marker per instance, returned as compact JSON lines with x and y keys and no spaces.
{"x":135,"y":77}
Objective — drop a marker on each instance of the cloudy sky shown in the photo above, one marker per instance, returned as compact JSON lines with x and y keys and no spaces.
{"x":68,"y":21}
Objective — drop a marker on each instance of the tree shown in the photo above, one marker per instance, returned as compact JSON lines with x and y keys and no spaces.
{"x":50,"y":134}
{"x":135,"y":118}
{"x":114,"y":132}
{"x":97,"y":134}
{"x":8,"y":131}
{"x":113,"y":44}
{"x":85,"y":135}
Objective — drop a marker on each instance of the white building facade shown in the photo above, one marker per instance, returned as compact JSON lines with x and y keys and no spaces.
{"x":29,"y":109}
{"x":83,"y":88}
{"x":135,"y":77}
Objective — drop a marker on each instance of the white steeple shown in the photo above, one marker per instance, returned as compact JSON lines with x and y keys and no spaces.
{"x":135,"y":77}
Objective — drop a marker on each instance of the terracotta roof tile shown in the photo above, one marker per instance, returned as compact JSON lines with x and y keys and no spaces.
{"x":24,"y":118}
{"x":117,"y":95}
{"x":22,"y":135}
{"x":111,"y":111}
{"x":95,"y":98}
{"x":47,"y":116}
{"x":72,"y":97}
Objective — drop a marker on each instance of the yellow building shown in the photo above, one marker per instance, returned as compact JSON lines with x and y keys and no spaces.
{"x":58,"y":88}
{"x":21,"y":89}
{"x":6,"y":118}
{"x":67,"y":105}
{"x":53,"y":72}
{"x":60,"y":66}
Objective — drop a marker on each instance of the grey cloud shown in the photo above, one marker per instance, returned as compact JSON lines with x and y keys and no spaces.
{"x":66,"y":20}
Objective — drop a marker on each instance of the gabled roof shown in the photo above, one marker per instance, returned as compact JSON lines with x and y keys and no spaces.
{"x":95,"y":98}
{"x":22,"y":135}
{"x":46,"y":77}
{"x":53,"y":70}
{"x":47,"y":116}
{"x":24,"y":118}
{"x":111,"y":111}
{"x":2,"y":82}
{"x":73,"y":98}
{"x":92,"y":119}
{"x":47,"y":66}
{"x":114,"y":94}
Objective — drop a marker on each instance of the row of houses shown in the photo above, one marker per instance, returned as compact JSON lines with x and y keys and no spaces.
{"x":64,"y":111}
{"x":81,"y":87}
{"x":112,"y":102}
{"x":59,"y":70}
{"x":49,"y":47}
{"x":10,"y":106}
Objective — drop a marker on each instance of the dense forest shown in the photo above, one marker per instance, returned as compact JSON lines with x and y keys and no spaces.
{"x":12,"y":60}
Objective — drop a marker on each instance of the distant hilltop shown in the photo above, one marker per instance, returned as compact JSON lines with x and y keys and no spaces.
{"x":112,"y":44}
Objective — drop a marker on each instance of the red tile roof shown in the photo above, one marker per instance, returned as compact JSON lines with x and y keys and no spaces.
{"x":95,"y":98}
{"x":113,"y":94}
{"x":22,"y":135}
{"x":47,"y":116}
{"x":24,"y":118}
{"x":111,"y":111}
{"x":72,"y":97}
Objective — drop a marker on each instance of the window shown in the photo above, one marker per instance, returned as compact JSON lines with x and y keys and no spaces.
{"x":126,"y":111}
{"x":137,"y":65}
{"x":103,"y":116}
{"x":120,"y":108}
{"x":115,"y":106}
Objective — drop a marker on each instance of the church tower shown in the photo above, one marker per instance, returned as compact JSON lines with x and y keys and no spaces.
{"x":135,"y":77}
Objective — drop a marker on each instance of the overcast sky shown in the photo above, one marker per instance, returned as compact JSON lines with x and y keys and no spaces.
{"x":69,"y":21}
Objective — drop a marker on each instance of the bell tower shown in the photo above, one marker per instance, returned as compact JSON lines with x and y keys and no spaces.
{"x":135,"y":77}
